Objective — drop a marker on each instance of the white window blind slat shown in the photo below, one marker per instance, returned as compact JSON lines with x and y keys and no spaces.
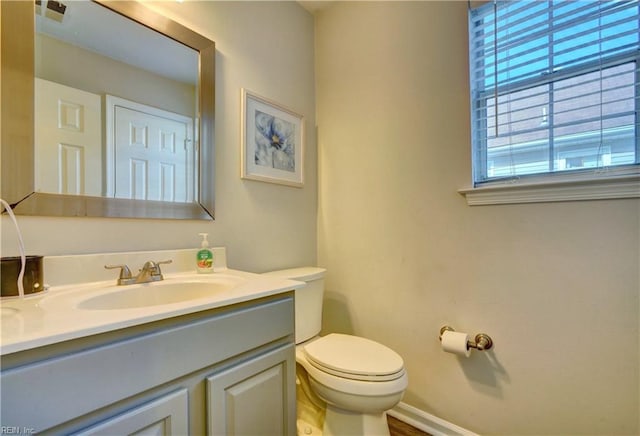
{"x":554,"y":86}
{"x":578,"y":13}
{"x":569,"y":32}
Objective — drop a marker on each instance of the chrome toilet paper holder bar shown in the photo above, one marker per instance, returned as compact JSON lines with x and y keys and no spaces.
{"x":481,"y":342}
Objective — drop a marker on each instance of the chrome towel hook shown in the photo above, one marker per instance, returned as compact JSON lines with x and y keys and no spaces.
{"x":482,"y":340}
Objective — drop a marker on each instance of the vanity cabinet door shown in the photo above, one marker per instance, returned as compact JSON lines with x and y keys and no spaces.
{"x":167,"y":415}
{"x":256,"y":397}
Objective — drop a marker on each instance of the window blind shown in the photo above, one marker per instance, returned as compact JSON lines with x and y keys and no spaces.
{"x":554,"y":87}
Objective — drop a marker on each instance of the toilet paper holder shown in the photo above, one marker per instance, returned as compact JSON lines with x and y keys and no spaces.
{"x":481,"y":342}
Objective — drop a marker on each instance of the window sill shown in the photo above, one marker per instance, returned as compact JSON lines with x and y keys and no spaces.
{"x":603,"y":187}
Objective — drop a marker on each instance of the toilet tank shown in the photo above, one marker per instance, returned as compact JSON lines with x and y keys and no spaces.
{"x":308,"y":300}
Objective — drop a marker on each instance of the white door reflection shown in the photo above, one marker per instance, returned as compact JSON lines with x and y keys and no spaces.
{"x":151,"y":151}
{"x":68,"y":140}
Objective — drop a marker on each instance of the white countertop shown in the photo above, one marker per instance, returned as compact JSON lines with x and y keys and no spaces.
{"x":32,"y":322}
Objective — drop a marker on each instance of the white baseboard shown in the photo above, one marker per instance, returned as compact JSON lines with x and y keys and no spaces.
{"x":427,"y":422}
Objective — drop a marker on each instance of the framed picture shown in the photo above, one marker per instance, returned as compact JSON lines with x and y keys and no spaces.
{"x":272,"y":145}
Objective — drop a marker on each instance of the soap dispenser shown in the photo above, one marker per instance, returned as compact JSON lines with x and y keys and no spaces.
{"x":204,"y":258}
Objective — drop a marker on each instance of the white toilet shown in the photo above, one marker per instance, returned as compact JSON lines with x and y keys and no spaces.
{"x":353,"y":379}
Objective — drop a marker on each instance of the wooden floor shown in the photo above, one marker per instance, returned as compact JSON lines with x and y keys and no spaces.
{"x":399,"y":428}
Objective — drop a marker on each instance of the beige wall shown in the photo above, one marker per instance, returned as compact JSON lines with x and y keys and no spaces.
{"x":555,"y":285}
{"x":76,"y":67}
{"x":267,"y":48}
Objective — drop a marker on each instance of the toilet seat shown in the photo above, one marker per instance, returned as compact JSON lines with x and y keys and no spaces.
{"x":354,"y":358}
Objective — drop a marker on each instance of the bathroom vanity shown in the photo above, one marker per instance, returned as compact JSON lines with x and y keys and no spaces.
{"x":220,"y":365}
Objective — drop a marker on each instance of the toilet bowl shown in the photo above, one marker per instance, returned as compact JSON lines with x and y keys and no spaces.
{"x":356,"y":379}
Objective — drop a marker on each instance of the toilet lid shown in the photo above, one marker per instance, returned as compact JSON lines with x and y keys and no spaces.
{"x":354,"y":357}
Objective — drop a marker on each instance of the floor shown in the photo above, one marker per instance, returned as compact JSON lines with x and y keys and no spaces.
{"x":399,"y":428}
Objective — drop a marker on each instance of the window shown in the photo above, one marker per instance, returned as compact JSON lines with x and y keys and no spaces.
{"x":554,"y":88}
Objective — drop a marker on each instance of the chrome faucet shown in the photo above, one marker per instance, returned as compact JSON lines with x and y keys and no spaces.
{"x":150,"y":272}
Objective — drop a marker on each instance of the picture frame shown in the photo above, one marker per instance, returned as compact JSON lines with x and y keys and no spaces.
{"x":272,"y":142}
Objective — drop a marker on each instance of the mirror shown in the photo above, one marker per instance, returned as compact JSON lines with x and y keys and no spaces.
{"x":123,"y":106}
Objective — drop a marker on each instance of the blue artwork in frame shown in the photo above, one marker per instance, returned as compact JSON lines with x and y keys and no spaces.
{"x":272,"y":142}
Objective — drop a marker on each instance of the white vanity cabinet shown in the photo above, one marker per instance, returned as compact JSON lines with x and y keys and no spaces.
{"x":224,"y":371}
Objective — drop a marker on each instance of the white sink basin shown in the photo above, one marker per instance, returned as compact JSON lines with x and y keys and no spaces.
{"x":8,"y":312}
{"x":154,"y":294}
{"x":143,"y":295}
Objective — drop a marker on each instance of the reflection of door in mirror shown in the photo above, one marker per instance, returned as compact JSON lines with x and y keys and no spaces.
{"x":68,"y":144}
{"x":151,"y":152}
{"x":95,"y":52}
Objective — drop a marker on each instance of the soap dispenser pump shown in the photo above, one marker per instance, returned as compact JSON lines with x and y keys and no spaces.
{"x":204,"y":258}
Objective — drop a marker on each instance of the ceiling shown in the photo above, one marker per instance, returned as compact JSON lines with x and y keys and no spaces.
{"x":314,"y":6}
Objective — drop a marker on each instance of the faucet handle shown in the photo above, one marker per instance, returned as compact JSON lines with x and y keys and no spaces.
{"x":125,"y":273}
{"x":162,"y":262}
{"x":154,"y":267}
